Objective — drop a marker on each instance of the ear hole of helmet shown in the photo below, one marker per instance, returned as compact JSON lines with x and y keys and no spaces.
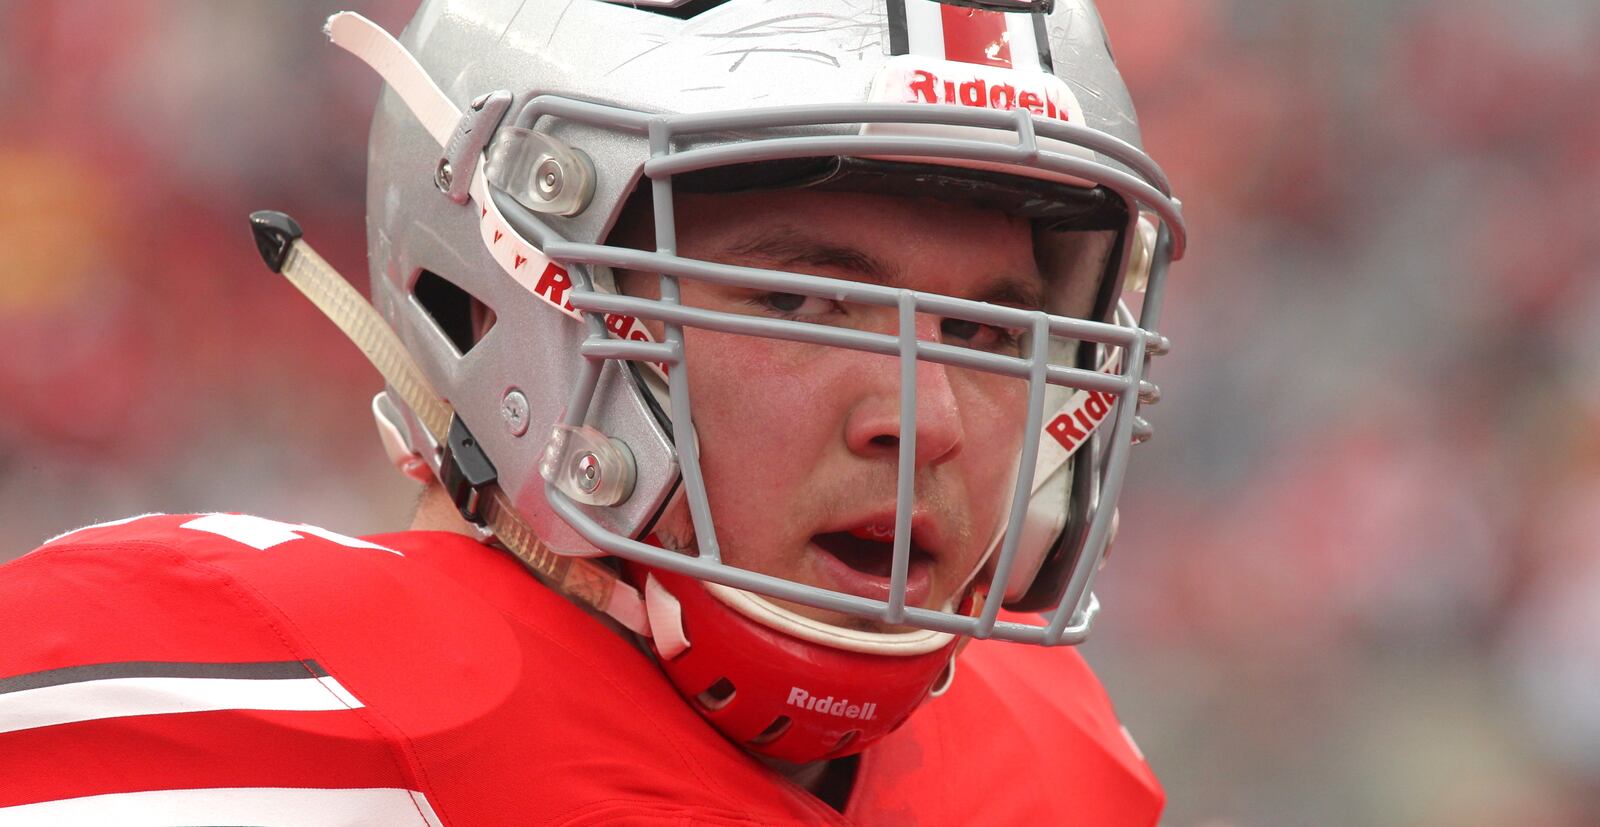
{"x":680,"y":9}
{"x":459,"y":315}
{"x":717,"y":696}
{"x":779,"y":726}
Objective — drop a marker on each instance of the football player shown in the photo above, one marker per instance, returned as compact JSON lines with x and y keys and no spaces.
{"x":772,"y":369}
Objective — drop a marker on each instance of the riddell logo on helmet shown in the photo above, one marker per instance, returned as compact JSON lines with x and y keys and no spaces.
{"x":925,"y":80}
{"x":553,"y":283}
{"x":841,"y":708}
{"x":1072,"y":427}
{"x":927,"y":87}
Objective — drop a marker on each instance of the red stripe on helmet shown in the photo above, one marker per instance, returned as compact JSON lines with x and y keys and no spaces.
{"x":975,"y":36}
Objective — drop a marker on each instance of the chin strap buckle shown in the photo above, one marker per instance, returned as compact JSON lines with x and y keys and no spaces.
{"x":453,"y":174}
{"x":465,"y":472}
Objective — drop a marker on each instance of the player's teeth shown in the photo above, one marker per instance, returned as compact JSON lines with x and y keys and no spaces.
{"x":879,"y":533}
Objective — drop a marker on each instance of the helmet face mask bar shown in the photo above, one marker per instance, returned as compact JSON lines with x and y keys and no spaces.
{"x":1074,"y":609}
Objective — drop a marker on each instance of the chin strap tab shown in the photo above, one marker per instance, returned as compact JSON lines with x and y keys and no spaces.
{"x":453,"y":175}
{"x":465,"y":472}
{"x":274,"y":232}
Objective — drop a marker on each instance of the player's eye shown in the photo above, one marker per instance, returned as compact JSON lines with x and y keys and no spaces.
{"x":785,"y":302}
{"x":981,"y":336}
{"x":792,"y":304}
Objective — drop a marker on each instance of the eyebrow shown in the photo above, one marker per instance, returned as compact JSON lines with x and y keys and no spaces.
{"x":789,"y":246}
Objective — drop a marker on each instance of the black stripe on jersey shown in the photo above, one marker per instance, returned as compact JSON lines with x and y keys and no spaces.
{"x":899,"y":39}
{"x":1041,"y":36}
{"x":268,"y":671}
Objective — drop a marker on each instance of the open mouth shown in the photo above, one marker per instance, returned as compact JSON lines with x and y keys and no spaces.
{"x":867,"y":550}
{"x":859,"y":561}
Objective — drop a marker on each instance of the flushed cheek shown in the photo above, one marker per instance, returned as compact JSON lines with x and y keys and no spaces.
{"x":750,"y":413}
{"x":993,"y":415}
{"x":989,"y":464}
{"x":761,"y":432}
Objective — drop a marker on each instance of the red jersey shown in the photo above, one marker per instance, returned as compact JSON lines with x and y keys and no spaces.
{"x":225,"y":669}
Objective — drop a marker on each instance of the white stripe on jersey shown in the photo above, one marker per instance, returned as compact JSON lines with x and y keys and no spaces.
{"x":263,"y":806}
{"x":123,"y":697}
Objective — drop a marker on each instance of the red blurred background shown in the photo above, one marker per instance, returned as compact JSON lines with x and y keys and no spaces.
{"x":1359,"y":575}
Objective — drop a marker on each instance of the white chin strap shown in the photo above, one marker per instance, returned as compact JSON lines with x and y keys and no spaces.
{"x":771,"y":615}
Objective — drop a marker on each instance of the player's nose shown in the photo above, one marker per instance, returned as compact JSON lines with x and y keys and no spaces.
{"x":874,"y":424}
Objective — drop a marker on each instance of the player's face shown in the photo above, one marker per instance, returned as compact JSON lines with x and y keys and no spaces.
{"x":800,"y":442}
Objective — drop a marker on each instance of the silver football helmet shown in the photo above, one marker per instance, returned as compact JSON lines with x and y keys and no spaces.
{"x":493,"y":256}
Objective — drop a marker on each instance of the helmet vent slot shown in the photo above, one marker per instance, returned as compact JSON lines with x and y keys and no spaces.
{"x":719,"y":695}
{"x":779,"y":726}
{"x":459,"y":315}
{"x":846,"y":740}
{"x":681,"y":9}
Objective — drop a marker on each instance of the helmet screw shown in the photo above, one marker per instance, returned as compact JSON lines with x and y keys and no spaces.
{"x":588,"y":471}
{"x":514,"y":410}
{"x":442,"y":176}
{"x":548,"y":178}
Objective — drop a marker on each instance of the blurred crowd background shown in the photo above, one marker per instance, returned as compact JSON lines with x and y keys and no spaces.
{"x":1358,"y":580}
